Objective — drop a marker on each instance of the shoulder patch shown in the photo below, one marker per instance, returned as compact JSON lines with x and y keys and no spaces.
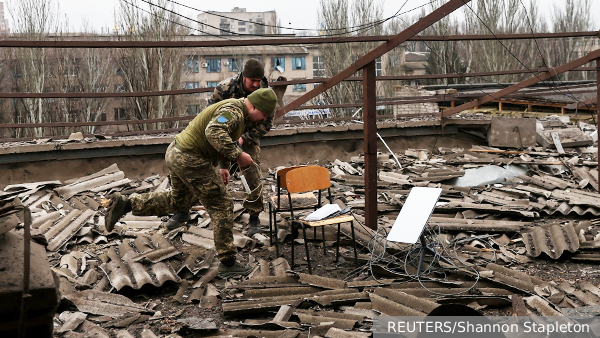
{"x":225,"y":117}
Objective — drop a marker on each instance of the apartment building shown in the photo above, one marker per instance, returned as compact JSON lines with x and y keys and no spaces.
{"x":238,"y":21}
{"x":206,"y":67}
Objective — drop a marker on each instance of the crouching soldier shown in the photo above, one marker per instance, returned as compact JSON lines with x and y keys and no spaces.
{"x":208,"y":140}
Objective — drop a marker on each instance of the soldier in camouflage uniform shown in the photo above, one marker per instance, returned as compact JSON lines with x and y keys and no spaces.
{"x":241,"y":85}
{"x":208,"y":140}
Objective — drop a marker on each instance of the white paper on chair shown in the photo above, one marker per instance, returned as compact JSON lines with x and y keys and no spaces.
{"x":323,"y":212}
{"x":414,"y":215}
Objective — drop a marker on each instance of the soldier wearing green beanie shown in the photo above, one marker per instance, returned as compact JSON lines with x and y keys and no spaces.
{"x":242,"y":84}
{"x":209,"y":139}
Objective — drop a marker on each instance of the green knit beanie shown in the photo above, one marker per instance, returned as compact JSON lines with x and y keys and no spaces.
{"x":264,"y":99}
{"x":254,"y":69}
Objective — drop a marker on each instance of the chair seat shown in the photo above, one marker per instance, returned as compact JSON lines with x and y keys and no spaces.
{"x":299,"y":201}
{"x":328,"y":221}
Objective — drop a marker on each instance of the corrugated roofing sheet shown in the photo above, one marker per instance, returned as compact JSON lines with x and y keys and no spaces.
{"x":122,"y":269}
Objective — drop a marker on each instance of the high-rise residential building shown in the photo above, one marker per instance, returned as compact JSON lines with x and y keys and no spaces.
{"x":238,"y":21}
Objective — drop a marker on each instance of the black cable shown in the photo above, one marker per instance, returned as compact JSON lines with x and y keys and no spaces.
{"x":302,"y":29}
{"x":511,"y":53}
{"x":175,"y":22}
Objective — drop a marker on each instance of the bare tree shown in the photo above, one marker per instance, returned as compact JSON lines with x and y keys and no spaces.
{"x":499,"y":17}
{"x":338,"y":19}
{"x":575,"y":16}
{"x":151,"y":69}
{"x":33,"y":20}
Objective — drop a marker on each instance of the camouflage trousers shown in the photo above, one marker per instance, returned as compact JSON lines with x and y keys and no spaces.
{"x":193,"y":177}
{"x":254,"y":202}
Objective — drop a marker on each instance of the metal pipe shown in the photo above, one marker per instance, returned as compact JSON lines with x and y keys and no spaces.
{"x":591,"y":56}
{"x":26,"y":268}
{"x":276,"y":41}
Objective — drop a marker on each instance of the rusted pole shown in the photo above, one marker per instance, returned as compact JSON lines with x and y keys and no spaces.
{"x":378,"y":51}
{"x":370,"y":141}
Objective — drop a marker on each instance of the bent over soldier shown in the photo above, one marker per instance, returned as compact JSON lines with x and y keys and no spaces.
{"x":208,"y":140}
{"x":239,"y":86}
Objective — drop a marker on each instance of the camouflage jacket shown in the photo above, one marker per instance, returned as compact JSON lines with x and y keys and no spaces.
{"x":233,"y":88}
{"x":214,"y":132}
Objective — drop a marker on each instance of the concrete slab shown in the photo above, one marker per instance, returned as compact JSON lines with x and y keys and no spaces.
{"x":569,"y":138}
{"x":512,"y":133}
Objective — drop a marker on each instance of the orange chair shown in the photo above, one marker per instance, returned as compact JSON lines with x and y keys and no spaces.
{"x":275,"y":204}
{"x":311,"y":178}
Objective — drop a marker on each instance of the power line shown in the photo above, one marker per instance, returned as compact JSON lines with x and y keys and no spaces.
{"x":544,"y":60}
{"x":514,"y":56}
{"x":175,"y":22}
{"x":367,"y":25}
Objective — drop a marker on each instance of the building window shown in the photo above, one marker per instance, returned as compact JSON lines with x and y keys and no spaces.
{"x":192,"y":85}
{"x":235,"y":64}
{"x":298,"y":63}
{"x":318,"y":67}
{"x":241,"y":29}
{"x":120,"y":114}
{"x":242,"y":23}
{"x":101,"y":116}
{"x":192,"y":110}
{"x":191,"y":64}
{"x":224,"y":29}
{"x":211,"y":84}
{"x":213,"y":65}
{"x":278,"y":63}
{"x":301,"y":87}
{"x":378,"y":70}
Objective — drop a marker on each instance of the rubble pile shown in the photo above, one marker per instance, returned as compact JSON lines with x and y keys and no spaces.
{"x":515,"y":232}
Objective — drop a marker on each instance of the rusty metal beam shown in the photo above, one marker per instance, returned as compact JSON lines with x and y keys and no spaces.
{"x":225,"y":42}
{"x":526,"y":83}
{"x":392,"y":43}
{"x":370,"y":143}
{"x":303,"y":81}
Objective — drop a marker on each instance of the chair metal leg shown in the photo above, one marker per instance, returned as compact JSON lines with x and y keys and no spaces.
{"x":315,"y":233}
{"x":337,"y":250}
{"x":270,"y":225}
{"x":323,"y":235}
{"x":292,"y":224}
{"x":306,"y":249}
{"x":354,"y":243}
{"x":276,"y":234}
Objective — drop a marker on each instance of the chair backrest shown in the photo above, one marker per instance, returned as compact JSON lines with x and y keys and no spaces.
{"x":280,"y":175}
{"x":307,"y":178}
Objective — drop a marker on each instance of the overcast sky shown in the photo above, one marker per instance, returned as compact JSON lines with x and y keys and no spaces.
{"x":293,"y":14}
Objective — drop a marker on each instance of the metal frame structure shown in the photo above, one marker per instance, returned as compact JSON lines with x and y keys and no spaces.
{"x":366,"y":63}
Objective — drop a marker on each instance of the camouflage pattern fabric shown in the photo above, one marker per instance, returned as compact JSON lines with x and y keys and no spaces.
{"x":193,"y":176}
{"x":233,"y":88}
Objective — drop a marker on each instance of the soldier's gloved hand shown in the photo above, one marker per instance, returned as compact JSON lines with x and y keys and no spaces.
{"x":225,"y":175}
{"x":244,"y":160}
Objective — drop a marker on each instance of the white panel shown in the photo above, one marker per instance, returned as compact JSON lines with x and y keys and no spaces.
{"x":414,"y":215}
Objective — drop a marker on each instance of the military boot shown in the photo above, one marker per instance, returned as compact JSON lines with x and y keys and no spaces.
{"x":177,"y":220}
{"x":116,"y":210}
{"x":254,"y":226}
{"x":237,"y":269}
